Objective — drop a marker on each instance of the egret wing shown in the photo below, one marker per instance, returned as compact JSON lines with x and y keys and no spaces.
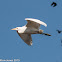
{"x":34,"y":23}
{"x":27,"y":38}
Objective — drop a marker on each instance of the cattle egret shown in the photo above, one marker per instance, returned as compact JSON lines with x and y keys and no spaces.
{"x":32,"y":27}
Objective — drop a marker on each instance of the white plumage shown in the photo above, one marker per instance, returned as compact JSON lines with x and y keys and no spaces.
{"x":36,"y":21}
{"x":32,"y":27}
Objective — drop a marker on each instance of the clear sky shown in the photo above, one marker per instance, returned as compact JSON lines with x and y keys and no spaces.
{"x":44,"y":48}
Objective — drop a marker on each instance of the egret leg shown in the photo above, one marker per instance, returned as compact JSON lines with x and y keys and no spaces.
{"x":46,"y":34}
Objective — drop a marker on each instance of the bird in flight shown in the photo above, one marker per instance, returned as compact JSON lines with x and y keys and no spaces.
{"x":54,"y":4}
{"x":32,"y":27}
{"x":59,"y":31}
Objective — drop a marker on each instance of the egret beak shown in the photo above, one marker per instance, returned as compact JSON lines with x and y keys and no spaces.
{"x":14,"y":29}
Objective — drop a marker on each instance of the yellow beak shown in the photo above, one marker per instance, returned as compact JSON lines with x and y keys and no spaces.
{"x":14,"y":29}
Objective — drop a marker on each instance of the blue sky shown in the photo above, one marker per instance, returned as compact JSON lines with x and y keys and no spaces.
{"x":44,"y":48}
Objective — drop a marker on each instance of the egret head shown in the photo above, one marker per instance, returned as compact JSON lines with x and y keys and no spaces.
{"x":17,"y":28}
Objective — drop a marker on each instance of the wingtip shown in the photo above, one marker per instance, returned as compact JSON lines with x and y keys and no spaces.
{"x":30,"y":43}
{"x":26,"y":18}
{"x":45,"y":25}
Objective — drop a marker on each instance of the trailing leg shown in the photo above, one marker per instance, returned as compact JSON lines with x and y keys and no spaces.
{"x":46,"y":34}
{"x":41,"y":32}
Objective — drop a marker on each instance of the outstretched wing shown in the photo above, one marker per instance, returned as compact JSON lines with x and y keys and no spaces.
{"x":27,"y":38}
{"x":34,"y":23}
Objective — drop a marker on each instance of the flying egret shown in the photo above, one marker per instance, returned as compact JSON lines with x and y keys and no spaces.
{"x":32,"y":27}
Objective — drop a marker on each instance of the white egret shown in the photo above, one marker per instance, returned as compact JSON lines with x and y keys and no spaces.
{"x":32,"y":27}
